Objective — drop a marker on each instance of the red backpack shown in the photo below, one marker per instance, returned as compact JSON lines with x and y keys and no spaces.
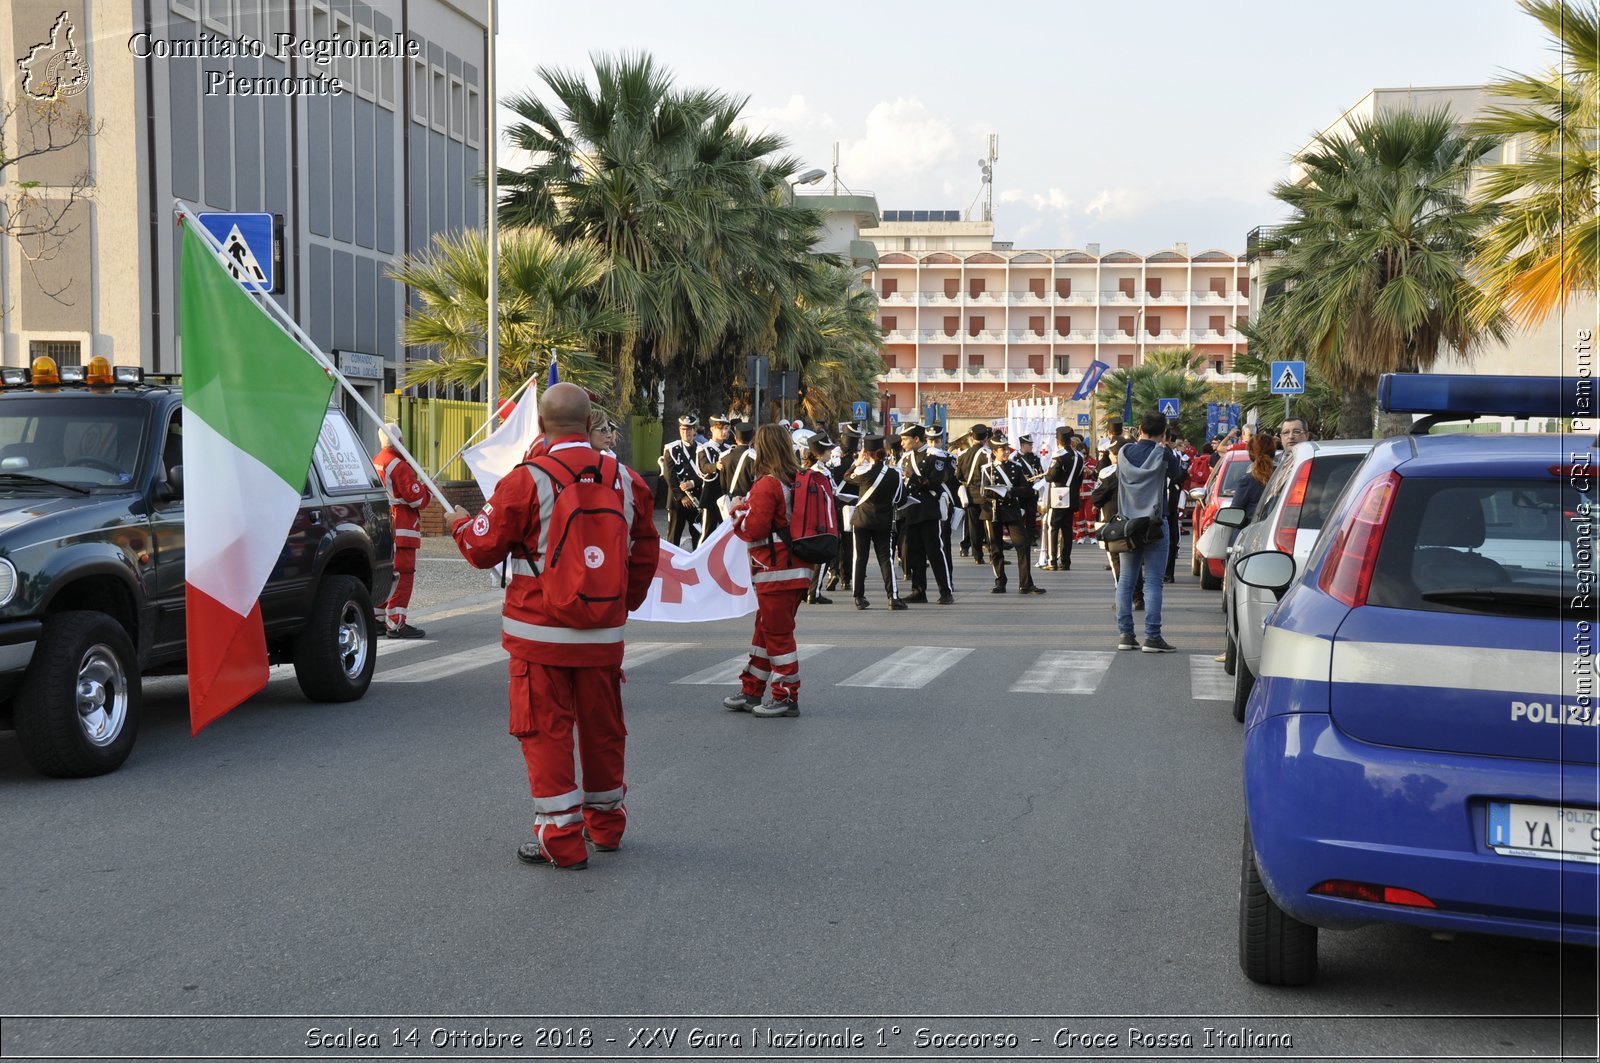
{"x":812,"y":533}
{"x":584,"y":571}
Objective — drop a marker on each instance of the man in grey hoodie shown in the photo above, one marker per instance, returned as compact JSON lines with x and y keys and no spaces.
{"x":1145,"y":470}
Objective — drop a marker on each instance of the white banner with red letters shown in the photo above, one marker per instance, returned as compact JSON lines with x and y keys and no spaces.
{"x":712,"y":583}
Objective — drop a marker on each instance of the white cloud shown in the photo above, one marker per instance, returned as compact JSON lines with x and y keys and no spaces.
{"x":902,"y":138}
{"x":1055,"y":200}
{"x":1114,"y":203}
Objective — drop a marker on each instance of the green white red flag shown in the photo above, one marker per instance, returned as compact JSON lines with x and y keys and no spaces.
{"x":254,"y":402}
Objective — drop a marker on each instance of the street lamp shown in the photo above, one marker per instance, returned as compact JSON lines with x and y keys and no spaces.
{"x":810,"y":177}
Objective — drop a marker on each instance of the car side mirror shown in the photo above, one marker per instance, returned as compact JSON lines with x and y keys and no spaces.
{"x":1196,"y":494}
{"x":171,"y":489}
{"x":1270,"y":570}
{"x":1231,"y":517}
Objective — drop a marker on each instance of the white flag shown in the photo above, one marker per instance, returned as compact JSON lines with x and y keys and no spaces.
{"x":713,"y":583}
{"x":502,"y":451}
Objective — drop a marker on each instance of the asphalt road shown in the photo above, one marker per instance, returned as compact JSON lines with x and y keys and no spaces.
{"x":1026,"y":823}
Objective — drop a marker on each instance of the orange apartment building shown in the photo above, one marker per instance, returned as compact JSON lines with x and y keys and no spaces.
{"x":973,"y":323}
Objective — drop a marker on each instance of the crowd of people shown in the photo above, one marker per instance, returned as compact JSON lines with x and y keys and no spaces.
{"x":580,"y":535}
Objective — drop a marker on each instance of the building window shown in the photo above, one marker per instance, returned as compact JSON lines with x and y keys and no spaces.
{"x":1126,"y":325}
{"x":1244,"y":286}
{"x":218,"y":15}
{"x":1063,"y":286}
{"x":458,"y":109}
{"x":1063,"y":364}
{"x":951,"y":324}
{"x":952,"y":287}
{"x":952,"y":362}
{"x":440,"y":113}
{"x":474,"y":116}
{"x":1063,"y":325}
{"x":974,"y":325}
{"x":976,"y":286}
{"x":1152,"y":286}
{"x":889,"y":323}
{"x":65,"y":352}
{"x":1219,"y":285}
{"x":1124,"y":361}
{"x":419,"y":91}
{"x":890,"y":287}
{"x":1125,"y":286}
{"x":974,"y":361}
{"x":1036,"y":324}
{"x":345,"y":66}
{"x":366,"y":76}
{"x":1216,"y":365}
{"x":1219,"y":324}
{"x":1036,"y":286}
{"x":1036,"y":363}
{"x":1152,"y":322}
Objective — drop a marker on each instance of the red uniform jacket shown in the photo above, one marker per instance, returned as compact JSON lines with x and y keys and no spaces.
{"x":508,"y":526}
{"x":407,"y":496}
{"x":756,"y":521}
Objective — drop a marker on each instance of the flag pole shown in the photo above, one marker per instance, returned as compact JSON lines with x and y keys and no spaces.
{"x":491,"y":338}
{"x":515,"y":395}
{"x":288,"y":324}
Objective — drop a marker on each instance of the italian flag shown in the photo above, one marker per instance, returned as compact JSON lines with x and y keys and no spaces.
{"x":254,"y":403}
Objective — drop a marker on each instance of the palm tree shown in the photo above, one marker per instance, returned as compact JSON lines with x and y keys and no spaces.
{"x":1375,"y":255}
{"x":547,"y":302}
{"x":1165,"y":373}
{"x":1546,"y":244}
{"x":689,"y":205}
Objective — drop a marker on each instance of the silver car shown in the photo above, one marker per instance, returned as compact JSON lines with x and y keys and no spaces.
{"x":1294,"y":504}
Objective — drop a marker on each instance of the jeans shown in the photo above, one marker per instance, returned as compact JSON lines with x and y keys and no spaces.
{"x":1149,"y":560}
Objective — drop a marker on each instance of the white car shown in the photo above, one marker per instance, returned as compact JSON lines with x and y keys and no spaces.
{"x":1293,"y":507}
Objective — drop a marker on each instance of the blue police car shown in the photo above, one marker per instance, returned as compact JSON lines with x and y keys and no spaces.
{"x":1422,"y":745}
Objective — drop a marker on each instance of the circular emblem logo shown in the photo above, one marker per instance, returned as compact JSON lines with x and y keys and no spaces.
{"x":480,"y":526}
{"x":594,"y":557}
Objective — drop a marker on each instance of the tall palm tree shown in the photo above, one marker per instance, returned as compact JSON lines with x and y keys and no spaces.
{"x":1546,"y":244}
{"x":547,"y":302}
{"x":687,"y":203}
{"x":1375,"y":255}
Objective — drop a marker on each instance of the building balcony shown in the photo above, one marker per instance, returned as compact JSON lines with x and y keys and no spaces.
{"x":1027,"y":336}
{"x":900,"y":376}
{"x":898,"y":299}
{"x":1166,"y":336}
{"x":1029,"y":299}
{"x":938,"y":376}
{"x":1079,"y":298}
{"x":1208,"y":297}
{"x":1027,"y":376}
{"x":1077,"y":336}
{"x":1118,"y":336}
{"x":1118,"y":297}
{"x":988,"y":298}
{"x":1167,"y":298}
{"x":997,"y":375}
{"x":933,"y":335}
{"x":986,"y":336}
{"x":899,"y":336}
{"x":938,"y":299}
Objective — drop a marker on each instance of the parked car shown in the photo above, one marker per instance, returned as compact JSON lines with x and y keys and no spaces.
{"x":1229,"y":470}
{"x":1420,"y":746}
{"x":92,"y":562}
{"x":1293,"y":508}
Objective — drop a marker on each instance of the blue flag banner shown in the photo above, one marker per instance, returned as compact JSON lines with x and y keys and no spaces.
{"x":555,"y":377}
{"x":1213,"y":417}
{"x":1090,"y":381}
{"x":1127,"y":404}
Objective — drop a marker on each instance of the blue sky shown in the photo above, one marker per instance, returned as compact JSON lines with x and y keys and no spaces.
{"x":1135,"y":125}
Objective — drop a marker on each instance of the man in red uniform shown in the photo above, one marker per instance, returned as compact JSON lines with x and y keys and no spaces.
{"x":407,"y":496}
{"x":564,"y":677}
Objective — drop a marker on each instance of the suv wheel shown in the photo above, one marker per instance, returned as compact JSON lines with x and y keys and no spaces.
{"x":77,"y":710}
{"x":1230,"y":655}
{"x":1275,"y":948}
{"x":337,"y":650}
{"x":1208,"y":582}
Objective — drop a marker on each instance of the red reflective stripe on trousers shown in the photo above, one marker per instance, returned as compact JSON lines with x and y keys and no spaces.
{"x":775,"y":613}
{"x":547,"y":704}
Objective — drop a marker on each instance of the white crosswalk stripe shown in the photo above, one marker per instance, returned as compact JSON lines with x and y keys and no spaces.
{"x":1066,"y":672}
{"x":908,"y":668}
{"x":1208,"y":681}
{"x":637,"y":653}
{"x":444,"y":667}
{"x":728,"y":671}
{"x":388,"y":647}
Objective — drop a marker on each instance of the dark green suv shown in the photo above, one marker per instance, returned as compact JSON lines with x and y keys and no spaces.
{"x":92,"y":572}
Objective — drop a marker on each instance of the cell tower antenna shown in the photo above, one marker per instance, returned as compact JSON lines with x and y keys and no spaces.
{"x":986,"y":169}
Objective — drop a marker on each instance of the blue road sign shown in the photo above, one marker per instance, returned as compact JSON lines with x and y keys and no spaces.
{"x":1289,"y":378}
{"x":1168,"y":407}
{"x":859,"y":411}
{"x":247,"y":250}
{"x":1083,"y":420}
{"x":894,"y":417}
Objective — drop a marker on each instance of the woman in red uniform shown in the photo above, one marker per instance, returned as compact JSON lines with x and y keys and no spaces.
{"x":779,"y":580}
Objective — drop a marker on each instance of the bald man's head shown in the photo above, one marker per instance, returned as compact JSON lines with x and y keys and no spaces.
{"x":565,"y":410}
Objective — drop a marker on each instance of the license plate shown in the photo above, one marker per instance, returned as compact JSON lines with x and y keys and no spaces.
{"x":1552,"y":832}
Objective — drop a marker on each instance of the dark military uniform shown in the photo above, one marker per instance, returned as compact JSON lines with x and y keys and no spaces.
{"x":877,"y":488}
{"x":969,"y":474}
{"x":677,"y":464}
{"x":1009,"y":499}
{"x":705,"y":460}
{"x":1065,"y":473}
{"x":926,"y":475}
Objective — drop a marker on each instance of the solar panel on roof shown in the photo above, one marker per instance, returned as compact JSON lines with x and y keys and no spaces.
{"x":920,"y":215}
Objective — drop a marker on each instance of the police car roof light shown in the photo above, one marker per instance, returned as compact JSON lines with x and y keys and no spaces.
{"x":128,"y":374}
{"x":1446,"y":397}
{"x":72,"y":374}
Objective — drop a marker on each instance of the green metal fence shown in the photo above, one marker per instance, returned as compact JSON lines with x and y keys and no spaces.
{"x":435,"y":430}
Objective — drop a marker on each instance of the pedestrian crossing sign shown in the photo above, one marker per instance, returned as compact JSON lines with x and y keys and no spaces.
{"x":858,"y":411}
{"x":1168,"y":407}
{"x":250,"y":248}
{"x":1289,"y":378}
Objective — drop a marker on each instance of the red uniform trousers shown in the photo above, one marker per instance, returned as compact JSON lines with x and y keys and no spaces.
{"x":405,"y":575}
{"x":772,"y":649}
{"x":547,"y":702}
